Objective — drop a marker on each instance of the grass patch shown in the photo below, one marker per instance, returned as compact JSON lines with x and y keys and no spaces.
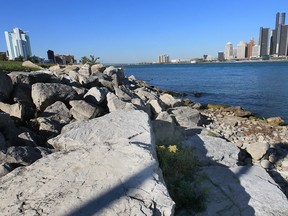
{"x":9,"y":66}
{"x":181,"y":174}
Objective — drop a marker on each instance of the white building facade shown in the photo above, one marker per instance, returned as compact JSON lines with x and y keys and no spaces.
{"x":228,"y":51}
{"x":241,"y":50}
{"x":18,"y":44}
{"x":256,"y":51}
{"x":163,"y":59}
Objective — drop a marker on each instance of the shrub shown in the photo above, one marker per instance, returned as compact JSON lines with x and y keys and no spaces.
{"x":181,"y":174}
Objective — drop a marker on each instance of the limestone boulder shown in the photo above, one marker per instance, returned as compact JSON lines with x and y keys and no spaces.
{"x":124,"y":93}
{"x":114,"y":103}
{"x":22,"y":94}
{"x":111,"y":70}
{"x":22,"y":111}
{"x":85,"y":70}
{"x":145,"y":94}
{"x":156,"y":107}
{"x":257,"y":150}
{"x":30,"y":64}
{"x":170,"y":101}
{"x":6,"y":86}
{"x":96,"y":95}
{"x":275,"y":121}
{"x":81,"y":110}
{"x":45,"y":94}
{"x":53,"y":119}
{"x":243,"y":190}
{"x":30,"y":77}
{"x":186,"y":117}
{"x":97,"y":68}
{"x":25,"y":155}
{"x":108,"y":168}
{"x":165,"y":130}
{"x":213,"y":150}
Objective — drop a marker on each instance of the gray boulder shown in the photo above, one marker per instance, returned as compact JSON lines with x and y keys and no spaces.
{"x":96,"y":95}
{"x":97,"y":68}
{"x":5,"y":120}
{"x":165,"y":130}
{"x":112,"y":170}
{"x":114,"y":103}
{"x":30,"y":77}
{"x":186,"y":117}
{"x":247,"y":190}
{"x":257,"y":150}
{"x":170,"y":101}
{"x":22,"y":111}
{"x":6,"y":86}
{"x":85,"y":70}
{"x":22,"y":94}
{"x":213,"y":150}
{"x":81,"y":110}
{"x":53,"y":119}
{"x":45,"y":94}
{"x":25,"y":155}
{"x":30,"y":64}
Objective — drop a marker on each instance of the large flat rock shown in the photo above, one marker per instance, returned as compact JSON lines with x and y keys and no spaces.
{"x":106,"y":166}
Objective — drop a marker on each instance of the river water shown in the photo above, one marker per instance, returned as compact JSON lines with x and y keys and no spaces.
{"x":260,"y":87}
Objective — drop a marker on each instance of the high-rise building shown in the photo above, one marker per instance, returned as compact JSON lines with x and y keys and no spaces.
{"x":264,"y":41}
{"x":255,"y":51}
{"x":241,"y":50}
{"x":51,"y":56}
{"x":280,"y":20}
{"x":163,"y":59}
{"x":277,"y":35}
{"x":283,"y":45}
{"x":250,"y":45}
{"x":228,"y":53}
{"x":18,"y":44}
{"x":221,"y":56}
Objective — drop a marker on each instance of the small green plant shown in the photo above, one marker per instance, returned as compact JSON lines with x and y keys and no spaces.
{"x":181,"y":174}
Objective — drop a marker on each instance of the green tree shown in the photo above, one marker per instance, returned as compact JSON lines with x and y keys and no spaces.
{"x":19,"y":58}
{"x":91,"y":61}
{"x":33,"y":59}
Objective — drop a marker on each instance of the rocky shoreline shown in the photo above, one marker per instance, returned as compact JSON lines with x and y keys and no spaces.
{"x":65,"y":128}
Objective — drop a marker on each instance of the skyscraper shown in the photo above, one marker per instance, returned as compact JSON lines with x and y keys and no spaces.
{"x":18,"y":44}
{"x":277,"y":34}
{"x":250,"y":45}
{"x":264,"y":41}
{"x":241,"y":50}
{"x":283,"y":45}
{"x":228,"y":51}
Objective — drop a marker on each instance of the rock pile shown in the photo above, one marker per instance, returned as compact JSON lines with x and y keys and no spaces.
{"x":265,"y":140}
{"x":102,"y":128}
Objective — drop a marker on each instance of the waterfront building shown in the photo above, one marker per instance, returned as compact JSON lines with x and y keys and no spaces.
{"x":264,"y":41}
{"x":283,"y":45}
{"x":18,"y":44}
{"x":221,"y":56}
{"x":51,"y":56}
{"x":163,"y":59}
{"x":228,"y":53}
{"x":64,"y":59}
{"x":241,"y":50}
{"x":255,"y":51}
{"x":280,"y":20}
{"x":235,"y":52}
{"x":250,"y":45}
{"x":278,"y":37}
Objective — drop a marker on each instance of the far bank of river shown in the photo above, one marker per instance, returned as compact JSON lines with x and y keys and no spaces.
{"x":260,"y":87}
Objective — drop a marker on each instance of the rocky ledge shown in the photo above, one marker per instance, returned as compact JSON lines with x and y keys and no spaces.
{"x":80,"y":140}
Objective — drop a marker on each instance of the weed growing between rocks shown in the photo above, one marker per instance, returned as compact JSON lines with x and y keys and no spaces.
{"x":181,"y":174}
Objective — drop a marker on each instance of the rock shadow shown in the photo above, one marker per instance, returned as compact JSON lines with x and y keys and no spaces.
{"x":226,"y":195}
{"x":99,"y":203}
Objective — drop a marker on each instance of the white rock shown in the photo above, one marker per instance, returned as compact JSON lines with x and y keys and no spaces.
{"x":112,"y":170}
{"x":169,"y":100}
{"x":257,"y":150}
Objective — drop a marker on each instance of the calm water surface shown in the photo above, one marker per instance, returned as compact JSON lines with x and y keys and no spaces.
{"x":261,"y":87}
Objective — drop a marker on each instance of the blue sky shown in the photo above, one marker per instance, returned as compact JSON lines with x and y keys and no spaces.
{"x":131,"y":31}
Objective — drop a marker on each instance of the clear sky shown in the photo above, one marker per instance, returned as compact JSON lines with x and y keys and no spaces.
{"x":130,"y":31}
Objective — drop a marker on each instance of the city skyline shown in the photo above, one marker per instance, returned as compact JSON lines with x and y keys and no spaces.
{"x":131,"y":32}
